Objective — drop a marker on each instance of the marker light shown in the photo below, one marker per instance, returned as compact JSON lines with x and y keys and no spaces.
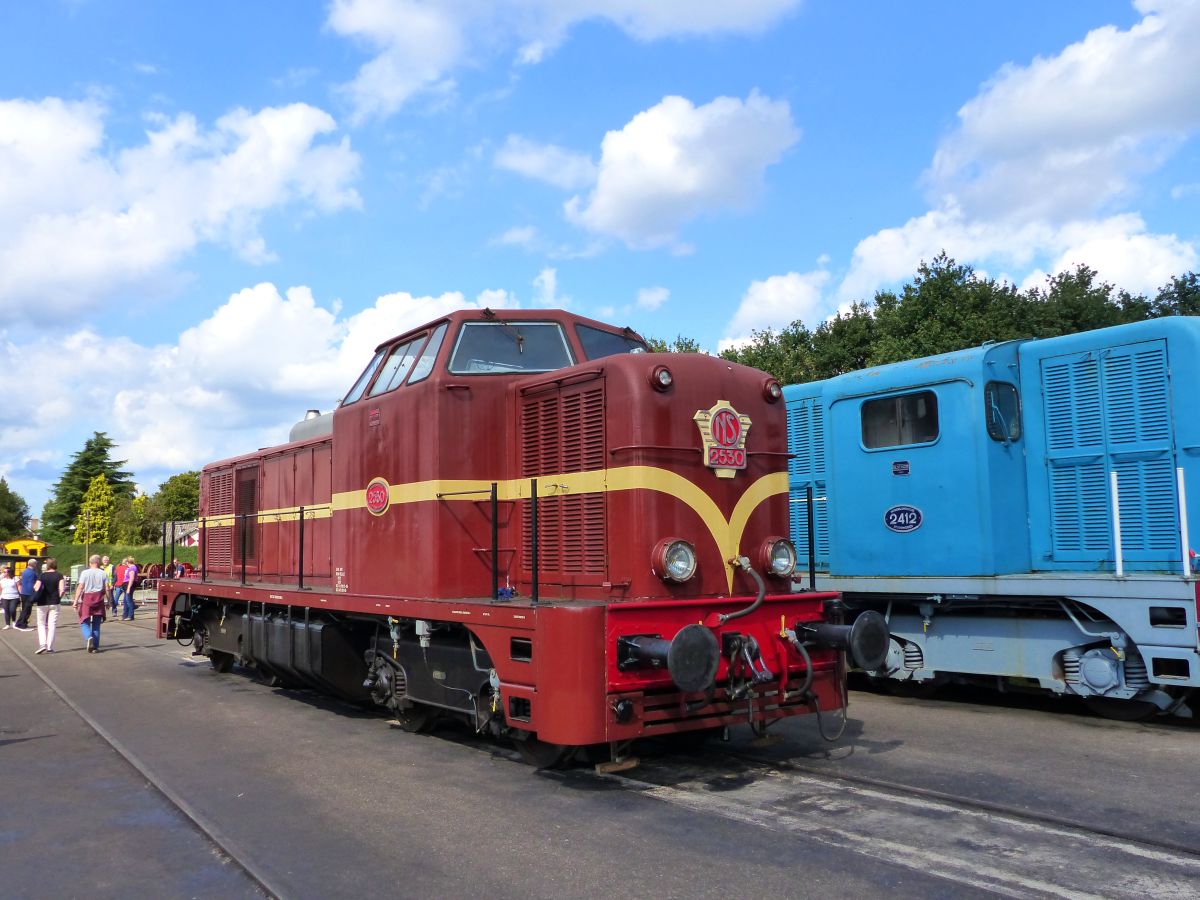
{"x":661,"y":378}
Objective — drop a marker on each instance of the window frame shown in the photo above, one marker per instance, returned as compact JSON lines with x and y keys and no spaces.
{"x":462,"y":330}
{"x":580,"y":328}
{"x":987,"y":412}
{"x":417,"y":342}
{"x":364,"y":380}
{"x":897,"y":400}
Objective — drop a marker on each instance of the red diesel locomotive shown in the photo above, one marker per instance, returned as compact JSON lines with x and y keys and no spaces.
{"x":525,"y":520}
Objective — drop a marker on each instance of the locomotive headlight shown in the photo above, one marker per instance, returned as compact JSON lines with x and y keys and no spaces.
{"x":778,"y":557}
{"x":674,"y":560}
{"x":661,"y":378}
{"x":771,"y":390}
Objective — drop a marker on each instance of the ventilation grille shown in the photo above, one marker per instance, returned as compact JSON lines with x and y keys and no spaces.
{"x":806,"y":468}
{"x":219,"y":541}
{"x":1111,"y":412}
{"x":563,"y":432}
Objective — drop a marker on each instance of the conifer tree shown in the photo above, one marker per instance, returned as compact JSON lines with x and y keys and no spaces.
{"x":62,"y":509}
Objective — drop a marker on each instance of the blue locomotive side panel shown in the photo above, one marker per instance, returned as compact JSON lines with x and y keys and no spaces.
{"x":1109,"y":406}
{"x":914,"y":485}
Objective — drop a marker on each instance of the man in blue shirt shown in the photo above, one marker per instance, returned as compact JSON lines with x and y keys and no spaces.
{"x":29,"y":577}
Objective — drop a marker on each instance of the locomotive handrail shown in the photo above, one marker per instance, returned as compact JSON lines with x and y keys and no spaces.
{"x":616,"y":450}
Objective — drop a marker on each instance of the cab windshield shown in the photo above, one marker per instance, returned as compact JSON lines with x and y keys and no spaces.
{"x":598,"y":343}
{"x":502,"y":347}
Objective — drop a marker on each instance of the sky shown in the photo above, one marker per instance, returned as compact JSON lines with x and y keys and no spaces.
{"x":210,"y":213}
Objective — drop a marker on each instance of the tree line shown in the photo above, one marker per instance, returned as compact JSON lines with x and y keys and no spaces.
{"x":949,"y":307}
{"x":96,"y":502}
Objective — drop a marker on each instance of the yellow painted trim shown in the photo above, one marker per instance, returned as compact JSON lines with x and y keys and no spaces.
{"x":727,"y":534}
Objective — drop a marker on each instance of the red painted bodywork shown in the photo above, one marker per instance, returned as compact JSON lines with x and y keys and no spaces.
{"x":431,"y":558}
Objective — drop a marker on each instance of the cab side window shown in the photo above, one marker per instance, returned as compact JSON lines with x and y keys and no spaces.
{"x":899,"y":421}
{"x":1002,"y":411}
{"x":398,"y":363}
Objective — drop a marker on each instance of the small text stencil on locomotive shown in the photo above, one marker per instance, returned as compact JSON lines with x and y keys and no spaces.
{"x":723,"y":432}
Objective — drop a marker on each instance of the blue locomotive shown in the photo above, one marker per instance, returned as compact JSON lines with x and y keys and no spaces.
{"x":1018,"y":511}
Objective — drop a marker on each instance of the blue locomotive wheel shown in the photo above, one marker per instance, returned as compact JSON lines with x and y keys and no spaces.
{"x":1120,"y":710}
{"x":221,"y":661}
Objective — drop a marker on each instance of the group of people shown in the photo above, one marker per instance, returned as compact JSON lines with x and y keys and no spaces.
{"x":40,"y":587}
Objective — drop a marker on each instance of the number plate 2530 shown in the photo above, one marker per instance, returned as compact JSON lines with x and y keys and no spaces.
{"x":726,"y":458}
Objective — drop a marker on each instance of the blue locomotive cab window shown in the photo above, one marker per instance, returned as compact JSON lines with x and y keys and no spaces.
{"x":1002,"y":411}
{"x":598,"y":343}
{"x":500,"y":348}
{"x":398,"y":363}
{"x":364,"y":379}
{"x":898,"y":421}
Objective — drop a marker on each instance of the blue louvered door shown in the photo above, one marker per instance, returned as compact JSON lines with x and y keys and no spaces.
{"x":806,"y":468}
{"x":1107,"y":411}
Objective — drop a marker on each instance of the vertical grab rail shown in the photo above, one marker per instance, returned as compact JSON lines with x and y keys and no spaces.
{"x":245,"y":529}
{"x":1183,"y":524}
{"x":812,"y":541}
{"x":533,"y":527}
{"x":495,"y":546}
{"x":1118,"y":557}
{"x":301,"y":548}
{"x":170,"y":557}
{"x":203,"y":549}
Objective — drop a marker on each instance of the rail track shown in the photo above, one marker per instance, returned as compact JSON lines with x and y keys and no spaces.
{"x":984,"y":844}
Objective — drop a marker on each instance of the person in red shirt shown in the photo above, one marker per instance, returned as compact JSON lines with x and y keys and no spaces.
{"x":118,"y":580}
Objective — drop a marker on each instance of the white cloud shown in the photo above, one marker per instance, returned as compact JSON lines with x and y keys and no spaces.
{"x":518,"y":236}
{"x":220,"y":390}
{"x":776,"y":302}
{"x":79,"y":222}
{"x":545,"y":287}
{"x":1043,"y":158}
{"x":546,"y":162}
{"x":1119,"y":248}
{"x":419,"y":46}
{"x":1065,"y":134}
{"x":652,"y":298}
{"x":675,"y":162}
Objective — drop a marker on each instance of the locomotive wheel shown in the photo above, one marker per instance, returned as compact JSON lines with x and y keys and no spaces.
{"x":541,"y":755}
{"x":221,"y":661}
{"x":1120,"y":710}
{"x":417,"y":719}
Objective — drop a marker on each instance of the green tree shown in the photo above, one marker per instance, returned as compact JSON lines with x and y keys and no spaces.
{"x":177,"y":499}
{"x":947,"y":307}
{"x":844,"y":343}
{"x":14,"y":513}
{"x":94,"y":524}
{"x":681,"y":344}
{"x":133,"y":522}
{"x":1179,"y":298}
{"x":62,"y":509}
{"x":787,"y":355}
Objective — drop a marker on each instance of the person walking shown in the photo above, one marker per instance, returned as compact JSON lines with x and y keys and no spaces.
{"x":90,"y":594}
{"x":118,"y":583}
{"x":107,"y":568}
{"x":129,"y":578}
{"x":47,"y":594}
{"x":10,"y":596}
{"x":29,"y":576}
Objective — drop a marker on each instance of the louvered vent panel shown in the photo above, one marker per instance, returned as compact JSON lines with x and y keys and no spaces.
{"x":1153,"y":407}
{"x":806,"y":440}
{"x":1078,"y":503}
{"x":1147,"y":492}
{"x":219,"y":541}
{"x":563,"y":433}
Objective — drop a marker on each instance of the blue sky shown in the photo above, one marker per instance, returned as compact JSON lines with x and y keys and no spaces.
{"x":209,"y":213}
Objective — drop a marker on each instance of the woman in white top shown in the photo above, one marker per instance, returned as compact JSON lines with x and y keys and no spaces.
{"x":10,"y":595}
